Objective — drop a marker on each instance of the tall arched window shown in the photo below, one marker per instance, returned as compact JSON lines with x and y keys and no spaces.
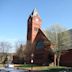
{"x":40,"y":44}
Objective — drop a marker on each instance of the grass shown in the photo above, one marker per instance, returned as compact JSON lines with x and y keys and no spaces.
{"x":43,"y":68}
{"x":35,"y":67}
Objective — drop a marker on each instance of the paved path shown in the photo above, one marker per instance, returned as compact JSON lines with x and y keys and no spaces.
{"x":12,"y":70}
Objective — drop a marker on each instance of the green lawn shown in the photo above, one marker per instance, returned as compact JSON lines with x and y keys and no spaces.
{"x":42,"y":68}
{"x":27,"y":65}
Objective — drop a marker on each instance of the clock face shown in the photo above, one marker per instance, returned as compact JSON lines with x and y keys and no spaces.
{"x":37,"y":19}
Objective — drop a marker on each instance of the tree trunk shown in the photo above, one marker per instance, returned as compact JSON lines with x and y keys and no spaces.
{"x":55,"y":57}
{"x":58,"y":60}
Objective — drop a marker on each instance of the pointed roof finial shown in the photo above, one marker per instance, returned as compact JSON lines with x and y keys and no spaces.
{"x":35,"y":12}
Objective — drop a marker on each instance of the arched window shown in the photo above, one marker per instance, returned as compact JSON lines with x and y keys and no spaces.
{"x":40,"y":44}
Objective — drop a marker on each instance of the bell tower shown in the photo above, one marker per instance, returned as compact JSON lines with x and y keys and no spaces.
{"x":34,"y":24}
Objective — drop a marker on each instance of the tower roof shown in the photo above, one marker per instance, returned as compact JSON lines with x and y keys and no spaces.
{"x":34,"y":12}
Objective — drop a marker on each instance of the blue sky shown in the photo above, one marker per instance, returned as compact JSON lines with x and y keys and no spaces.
{"x":14,"y":15}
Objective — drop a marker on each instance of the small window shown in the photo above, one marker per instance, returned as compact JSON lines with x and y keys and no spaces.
{"x":36,"y":29}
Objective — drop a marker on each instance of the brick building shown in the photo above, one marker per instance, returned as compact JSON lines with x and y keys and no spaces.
{"x":37,"y":43}
{"x":66,"y":57}
{"x":40,"y":46}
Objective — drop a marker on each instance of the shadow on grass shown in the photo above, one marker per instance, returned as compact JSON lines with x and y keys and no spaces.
{"x":55,"y":70}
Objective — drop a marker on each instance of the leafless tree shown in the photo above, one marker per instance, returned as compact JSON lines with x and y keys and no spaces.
{"x":23,"y":50}
{"x":60,"y":39}
{"x":20,"y":50}
{"x":4,"y":50}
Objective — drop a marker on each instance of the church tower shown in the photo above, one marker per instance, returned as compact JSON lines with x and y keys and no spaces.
{"x":34,"y":24}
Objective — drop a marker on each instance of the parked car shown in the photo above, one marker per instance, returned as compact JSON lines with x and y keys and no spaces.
{"x":9,"y":65}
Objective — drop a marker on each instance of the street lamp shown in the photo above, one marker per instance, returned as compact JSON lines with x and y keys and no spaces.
{"x":32,"y":55}
{"x":32,"y":61}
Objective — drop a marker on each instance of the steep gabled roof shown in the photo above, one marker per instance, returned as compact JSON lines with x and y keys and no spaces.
{"x":34,"y":13}
{"x":41,"y":35}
